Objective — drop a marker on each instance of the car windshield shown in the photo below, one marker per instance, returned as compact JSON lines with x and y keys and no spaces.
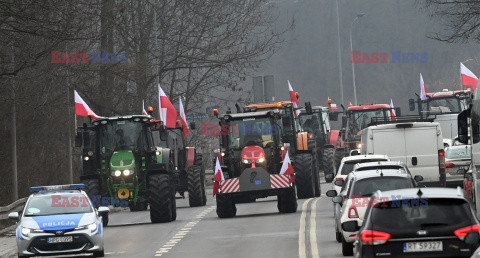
{"x":459,"y":153}
{"x":368,"y":186}
{"x":312,"y":123}
{"x":361,"y":119}
{"x":122,"y":134}
{"x":421,"y":213}
{"x":348,"y":166}
{"x":390,"y":167}
{"x":252,"y":131}
{"x":62,"y":203}
{"x":452,"y":104}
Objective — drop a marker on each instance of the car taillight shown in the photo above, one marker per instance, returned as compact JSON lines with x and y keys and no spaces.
{"x":461,"y":233}
{"x":338,"y":179}
{"x":352,"y":212}
{"x":441,"y":161}
{"x":371,"y":237}
{"x":449,"y":165}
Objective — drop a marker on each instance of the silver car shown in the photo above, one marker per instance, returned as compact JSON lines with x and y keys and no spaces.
{"x":59,"y":220}
{"x":457,"y":157}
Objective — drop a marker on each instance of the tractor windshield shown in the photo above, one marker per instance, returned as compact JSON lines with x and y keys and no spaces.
{"x":312,"y":123}
{"x":359,"y":119}
{"x":449,"y":104}
{"x":252,"y":131}
{"x":122,"y":134}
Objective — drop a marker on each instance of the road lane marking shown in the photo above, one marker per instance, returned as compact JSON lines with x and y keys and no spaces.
{"x":182,"y":232}
{"x":302,"y":253}
{"x":313,"y":229}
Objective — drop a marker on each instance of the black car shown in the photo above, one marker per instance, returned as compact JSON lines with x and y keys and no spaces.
{"x":417,"y":222}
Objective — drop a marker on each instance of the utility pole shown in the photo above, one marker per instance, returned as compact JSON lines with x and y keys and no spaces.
{"x":14,"y":128}
{"x":339,"y":55}
{"x":359,"y":15}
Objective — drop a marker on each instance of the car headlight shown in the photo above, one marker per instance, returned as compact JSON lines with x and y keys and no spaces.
{"x":92,"y":227}
{"x":261,"y":160}
{"x":25,"y":232}
{"x":127,"y":172}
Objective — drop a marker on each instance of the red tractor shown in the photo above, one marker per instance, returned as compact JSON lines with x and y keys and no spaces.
{"x":355,"y":119}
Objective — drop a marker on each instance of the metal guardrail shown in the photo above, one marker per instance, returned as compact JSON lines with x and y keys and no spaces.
{"x":4,"y":211}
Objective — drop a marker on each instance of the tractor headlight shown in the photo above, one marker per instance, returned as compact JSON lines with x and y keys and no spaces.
{"x":359,"y":146}
{"x":223,"y":154}
{"x":246,"y":161}
{"x":127,"y":172}
{"x":261,"y":160}
{"x":86,"y":158}
{"x":117,"y":173}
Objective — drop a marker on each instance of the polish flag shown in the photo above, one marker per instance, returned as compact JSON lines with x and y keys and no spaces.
{"x":294,"y":99}
{"x":394,"y":114}
{"x":144,"y":112}
{"x":423,"y":89}
{"x":82,"y":109}
{"x":217,"y":178}
{"x":168,"y":113}
{"x":287,"y":168}
{"x":183,"y":118}
{"x":468,"y":78}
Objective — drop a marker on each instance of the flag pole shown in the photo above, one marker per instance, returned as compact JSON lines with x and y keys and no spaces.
{"x":461,"y":83}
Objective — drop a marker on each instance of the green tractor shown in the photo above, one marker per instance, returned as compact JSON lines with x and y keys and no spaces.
{"x":189,"y":172}
{"x":123,"y":167}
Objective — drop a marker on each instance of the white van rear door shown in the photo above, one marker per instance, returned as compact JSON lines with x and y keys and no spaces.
{"x":390,"y":142}
{"x":421,"y":145}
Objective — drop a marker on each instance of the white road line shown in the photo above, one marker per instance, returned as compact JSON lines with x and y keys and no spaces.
{"x":313,"y":229}
{"x":301,"y":231}
{"x":182,"y":232}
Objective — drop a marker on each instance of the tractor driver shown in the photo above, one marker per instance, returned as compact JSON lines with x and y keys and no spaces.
{"x":121,"y":139}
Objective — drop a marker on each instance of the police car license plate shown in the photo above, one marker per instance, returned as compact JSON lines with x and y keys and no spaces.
{"x":430,"y":246}
{"x":64,"y":239}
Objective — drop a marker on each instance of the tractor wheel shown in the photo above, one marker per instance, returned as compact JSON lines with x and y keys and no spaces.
{"x":339,"y":155}
{"x":329,"y":162}
{"x":225,"y":206}
{"x":304,"y":177}
{"x":318,"y":188}
{"x":204,"y":192}
{"x":161,"y":198}
{"x":195,"y":186}
{"x":92,"y":188}
{"x":198,"y":160}
{"x":287,"y":201}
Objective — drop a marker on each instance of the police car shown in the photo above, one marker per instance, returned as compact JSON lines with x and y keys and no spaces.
{"x":59,"y":220}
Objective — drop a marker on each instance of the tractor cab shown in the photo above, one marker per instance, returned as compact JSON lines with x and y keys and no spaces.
{"x":316,"y":123}
{"x":253,"y":139}
{"x":358,"y":117}
{"x":443,"y":102}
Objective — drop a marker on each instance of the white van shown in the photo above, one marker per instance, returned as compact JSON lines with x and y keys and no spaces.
{"x":419,"y":145}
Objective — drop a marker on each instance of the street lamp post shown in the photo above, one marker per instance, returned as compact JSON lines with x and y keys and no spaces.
{"x":359,"y":15}
{"x":339,"y":56}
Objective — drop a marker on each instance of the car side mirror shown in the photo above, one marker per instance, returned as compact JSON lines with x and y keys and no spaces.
{"x":193,"y":126}
{"x":472,"y":238}
{"x":103,"y":210}
{"x":462,"y":125}
{"x":344,"y":122}
{"x":418,"y":178}
{"x":338,"y":183}
{"x":308,"y":108}
{"x":329,"y":177}
{"x":13,"y":216}
{"x":411,"y":104}
{"x":163,"y":133}
{"x":398,"y":111}
{"x":352,"y":226}
{"x":78,"y":140}
{"x":331,"y":193}
{"x":337,"y":199}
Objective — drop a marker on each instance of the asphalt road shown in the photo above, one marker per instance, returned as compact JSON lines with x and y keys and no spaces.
{"x":258,"y":230}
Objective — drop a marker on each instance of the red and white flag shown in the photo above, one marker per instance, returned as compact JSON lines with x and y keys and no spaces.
{"x":82,"y":109}
{"x":423,"y":89}
{"x":287,"y":168}
{"x":168,"y":113}
{"x":294,"y":99}
{"x":468,"y":78}
{"x":144,"y":112}
{"x":217,"y":177}
{"x":183,"y":118}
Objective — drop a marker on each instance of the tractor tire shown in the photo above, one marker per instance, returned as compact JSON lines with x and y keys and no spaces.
{"x":304,"y":178}
{"x":318,"y":188}
{"x":92,"y":188}
{"x":161,"y":199}
{"x":339,"y":155}
{"x":329,"y":162}
{"x":287,"y":201}
{"x":198,"y":160}
{"x":204,"y":192}
{"x":195,"y":186}
{"x":225,"y":206}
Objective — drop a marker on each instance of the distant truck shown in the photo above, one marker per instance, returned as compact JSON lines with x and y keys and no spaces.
{"x":418,"y":145}
{"x":445,"y":105}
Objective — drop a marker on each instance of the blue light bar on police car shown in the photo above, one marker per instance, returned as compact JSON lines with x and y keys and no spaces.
{"x":57,"y":187}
